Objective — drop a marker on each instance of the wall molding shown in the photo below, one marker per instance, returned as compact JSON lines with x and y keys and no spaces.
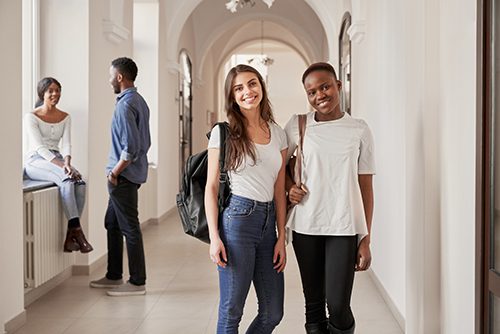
{"x":114,"y":32}
{"x":15,"y":323}
{"x":388,"y":300}
{"x":357,"y":29}
{"x":32,"y":295}
{"x":88,"y":269}
{"x":173,"y":67}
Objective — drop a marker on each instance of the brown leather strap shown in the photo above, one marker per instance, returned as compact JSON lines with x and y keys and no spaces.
{"x":297,"y":173}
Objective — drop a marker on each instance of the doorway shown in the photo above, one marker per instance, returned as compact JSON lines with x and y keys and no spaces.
{"x":185,"y":111}
{"x":345,"y":63}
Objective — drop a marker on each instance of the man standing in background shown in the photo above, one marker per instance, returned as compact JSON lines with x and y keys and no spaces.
{"x":127,"y":169}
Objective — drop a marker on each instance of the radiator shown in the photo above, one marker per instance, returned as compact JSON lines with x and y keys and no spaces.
{"x":44,"y":233}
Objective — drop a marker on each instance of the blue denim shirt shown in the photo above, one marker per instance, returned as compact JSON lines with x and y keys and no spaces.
{"x":130,"y":138}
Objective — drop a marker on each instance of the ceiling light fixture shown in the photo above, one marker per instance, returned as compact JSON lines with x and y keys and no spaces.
{"x":232,"y":5}
{"x":264,"y":60}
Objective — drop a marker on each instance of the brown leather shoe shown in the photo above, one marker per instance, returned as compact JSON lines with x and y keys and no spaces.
{"x":77,"y":235}
{"x":70,"y":244}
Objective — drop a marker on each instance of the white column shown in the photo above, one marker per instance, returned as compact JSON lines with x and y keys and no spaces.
{"x":11,"y":210}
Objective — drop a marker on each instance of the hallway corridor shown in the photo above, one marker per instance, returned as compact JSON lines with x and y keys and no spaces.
{"x":181,"y":297}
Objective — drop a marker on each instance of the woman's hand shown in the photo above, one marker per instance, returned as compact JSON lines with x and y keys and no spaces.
{"x":218,"y":252}
{"x":296,"y":194}
{"x":72,"y":172}
{"x":364,"y":258}
{"x":279,"y":258}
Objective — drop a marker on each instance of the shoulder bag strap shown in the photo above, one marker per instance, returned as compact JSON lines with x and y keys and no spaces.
{"x":298,"y":165}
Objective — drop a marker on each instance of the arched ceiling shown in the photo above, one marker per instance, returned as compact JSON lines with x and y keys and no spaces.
{"x":216,"y":30}
{"x":250,"y":32}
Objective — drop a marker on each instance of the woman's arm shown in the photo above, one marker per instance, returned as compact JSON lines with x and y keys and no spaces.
{"x":35,"y":137}
{"x":217,"y":250}
{"x":66,"y":138}
{"x":364,"y":255}
{"x":279,"y":258}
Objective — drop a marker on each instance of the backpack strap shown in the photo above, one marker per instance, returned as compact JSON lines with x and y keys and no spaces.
{"x":302,"y":119}
{"x":223,"y":177}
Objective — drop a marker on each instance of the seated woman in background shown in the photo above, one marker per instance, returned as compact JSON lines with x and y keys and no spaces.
{"x":47,"y":127}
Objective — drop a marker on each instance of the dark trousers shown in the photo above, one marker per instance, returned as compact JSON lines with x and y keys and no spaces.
{"x":326,"y":265}
{"x":122,"y":220}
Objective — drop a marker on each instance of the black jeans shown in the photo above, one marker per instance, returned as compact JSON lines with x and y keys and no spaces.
{"x":326,"y":266}
{"x":122,"y":220}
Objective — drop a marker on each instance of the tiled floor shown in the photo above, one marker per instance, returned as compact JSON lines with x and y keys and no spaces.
{"x":181,"y":297}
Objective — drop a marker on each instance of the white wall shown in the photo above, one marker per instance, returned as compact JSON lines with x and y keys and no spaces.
{"x":422,"y":106}
{"x":458,"y":117}
{"x":168,"y":123}
{"x":146,"y":56}
{"x":11,"y":229}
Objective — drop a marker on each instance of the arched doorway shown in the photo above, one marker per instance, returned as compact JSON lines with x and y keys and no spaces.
{"x":345,"y":62}
{"x":185,"y":110}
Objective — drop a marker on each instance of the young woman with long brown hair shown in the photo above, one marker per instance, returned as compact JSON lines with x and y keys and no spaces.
{"x":243,"y":243}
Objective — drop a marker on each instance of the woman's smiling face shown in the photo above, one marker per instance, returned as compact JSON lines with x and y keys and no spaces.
{"x":52,"y":95}
{"x":323,"y":91}
{"x":247,"y":91}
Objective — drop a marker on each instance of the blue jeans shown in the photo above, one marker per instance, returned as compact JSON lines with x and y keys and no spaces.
{"x":72,"y":193}
{"x":248,"y":231}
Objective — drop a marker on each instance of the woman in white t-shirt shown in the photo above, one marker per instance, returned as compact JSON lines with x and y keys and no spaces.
{"x":243,"y":243}
{"x":48,"y":158}
{"x":332,"y":217}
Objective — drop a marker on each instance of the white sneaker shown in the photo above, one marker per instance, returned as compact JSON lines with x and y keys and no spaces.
{"x":127,"y":289}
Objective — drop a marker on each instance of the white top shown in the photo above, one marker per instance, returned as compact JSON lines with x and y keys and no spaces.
{"x":334,"y":153}
{"x":43,"y":136}
{"x":256,"y":180}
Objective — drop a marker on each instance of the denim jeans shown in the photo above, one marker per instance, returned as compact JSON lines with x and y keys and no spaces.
{"x":122,"y":219}
{"x":248,"y":231}
{"x":72,"y":193}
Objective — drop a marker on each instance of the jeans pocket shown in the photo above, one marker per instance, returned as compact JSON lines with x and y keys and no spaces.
{"x":241,"y":209}
{"x":111,"y":187}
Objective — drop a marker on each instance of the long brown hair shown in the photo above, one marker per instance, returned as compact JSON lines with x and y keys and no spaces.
{"x":239,"y":144}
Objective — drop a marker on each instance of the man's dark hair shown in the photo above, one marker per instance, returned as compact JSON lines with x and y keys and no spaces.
{"x":126,"y":67}
{"x":319,"y":67}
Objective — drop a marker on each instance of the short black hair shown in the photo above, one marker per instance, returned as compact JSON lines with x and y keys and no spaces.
{"x":126,"y":67}
{"x":319,"y":67}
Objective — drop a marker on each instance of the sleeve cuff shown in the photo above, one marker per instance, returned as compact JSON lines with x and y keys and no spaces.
{"x":126,"y":156}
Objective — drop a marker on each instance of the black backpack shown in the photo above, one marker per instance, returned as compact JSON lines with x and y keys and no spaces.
{"x":191,"y":198}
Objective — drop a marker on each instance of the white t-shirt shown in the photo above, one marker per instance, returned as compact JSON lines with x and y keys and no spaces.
{"x":334,"y":153}
{"x":43,"y":137}
{"x":256,"y":180}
